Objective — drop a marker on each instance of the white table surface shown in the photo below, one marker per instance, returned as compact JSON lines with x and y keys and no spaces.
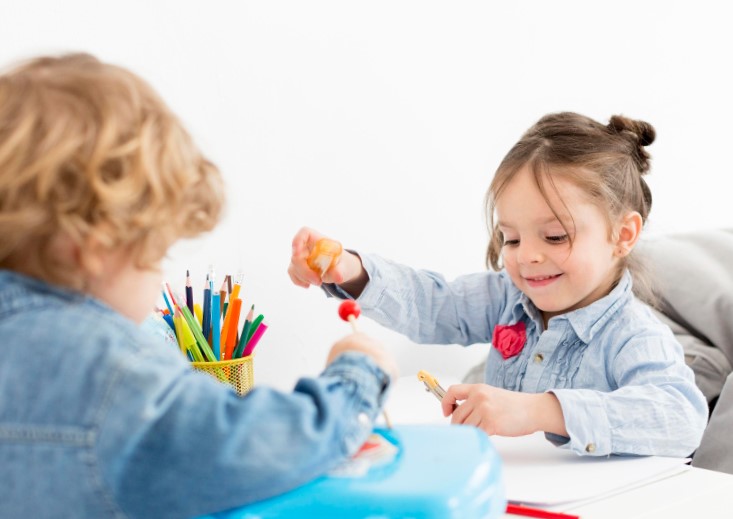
{"x":693,"y":492}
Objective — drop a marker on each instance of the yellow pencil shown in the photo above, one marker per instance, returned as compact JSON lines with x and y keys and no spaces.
{"x":199,"y":314}
{"x":177,"y":318}
{"x":189,"y":341}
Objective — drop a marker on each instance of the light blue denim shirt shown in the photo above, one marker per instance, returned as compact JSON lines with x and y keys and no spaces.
{"x":100,"y":419}
{"x":618,"y":372}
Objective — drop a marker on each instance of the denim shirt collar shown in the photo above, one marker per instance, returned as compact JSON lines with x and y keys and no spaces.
{"x":588,"y":320}
{"x":18,"y":290}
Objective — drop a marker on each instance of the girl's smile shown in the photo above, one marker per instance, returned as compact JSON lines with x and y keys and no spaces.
{"x":541,"y":281}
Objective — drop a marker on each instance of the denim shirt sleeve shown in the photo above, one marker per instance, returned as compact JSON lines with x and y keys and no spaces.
{"x":180,"y":435}
{"x":427,"y":308}
{"x":656,"y":410}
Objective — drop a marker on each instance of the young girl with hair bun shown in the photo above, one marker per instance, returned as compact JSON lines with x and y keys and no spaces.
{"x":573,"y":351}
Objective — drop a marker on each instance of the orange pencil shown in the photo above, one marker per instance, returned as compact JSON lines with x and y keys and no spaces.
{"x":232,"y":319}
{"x":226,"y":328}
{"x":237,"y":286}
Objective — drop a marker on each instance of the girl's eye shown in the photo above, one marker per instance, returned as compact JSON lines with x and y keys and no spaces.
{"x":511,"y":242}
{"x":557,"y":239}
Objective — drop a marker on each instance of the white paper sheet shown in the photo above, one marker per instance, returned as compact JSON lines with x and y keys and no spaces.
{"x":538,"y":473}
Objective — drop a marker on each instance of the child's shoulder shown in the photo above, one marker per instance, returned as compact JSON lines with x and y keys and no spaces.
{"x":636,"y":321}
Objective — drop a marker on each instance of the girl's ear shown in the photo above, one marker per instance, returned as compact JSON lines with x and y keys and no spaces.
{"x":627,"y":233}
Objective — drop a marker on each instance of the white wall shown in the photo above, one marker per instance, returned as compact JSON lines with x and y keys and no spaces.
{"x":380,"y":123}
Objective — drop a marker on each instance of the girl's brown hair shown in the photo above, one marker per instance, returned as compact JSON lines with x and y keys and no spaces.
{"x":607,"y":162}
{"x":89,"y":151}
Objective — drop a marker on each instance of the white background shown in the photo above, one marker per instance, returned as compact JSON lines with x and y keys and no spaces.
{"x":381,"y":123}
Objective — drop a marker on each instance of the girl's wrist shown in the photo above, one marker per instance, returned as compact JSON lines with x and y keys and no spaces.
{"x":355,"y":276}
{"x":548,"y":414}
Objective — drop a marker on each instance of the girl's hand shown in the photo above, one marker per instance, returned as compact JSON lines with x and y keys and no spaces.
{"x":347,"y":267}
{"x":502,"y":412}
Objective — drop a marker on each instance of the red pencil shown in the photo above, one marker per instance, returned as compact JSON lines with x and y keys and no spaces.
{"x":537,"y":512}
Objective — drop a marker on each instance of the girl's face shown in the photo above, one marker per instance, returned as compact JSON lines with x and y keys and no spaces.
{"x":537,"y":253}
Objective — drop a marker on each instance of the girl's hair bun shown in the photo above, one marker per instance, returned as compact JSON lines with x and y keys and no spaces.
{"x":642,"y":133}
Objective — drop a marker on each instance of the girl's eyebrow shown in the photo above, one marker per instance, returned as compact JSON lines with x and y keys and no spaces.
{"x":543,"y":221}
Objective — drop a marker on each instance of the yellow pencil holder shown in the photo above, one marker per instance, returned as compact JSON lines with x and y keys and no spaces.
{"x":238,"y":373}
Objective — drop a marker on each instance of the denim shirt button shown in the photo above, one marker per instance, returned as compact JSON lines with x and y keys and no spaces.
{"x":539,"y":358}
{"x":590,"y":448}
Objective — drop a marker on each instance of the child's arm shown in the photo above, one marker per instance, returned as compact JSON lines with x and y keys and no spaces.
{"x":192,"y":445}
{"x":656,"y":410}
{"x":502,"y":412}
{"x":420,"y":304}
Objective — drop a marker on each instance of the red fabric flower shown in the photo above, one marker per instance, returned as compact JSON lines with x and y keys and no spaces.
{"x":509,"y":339}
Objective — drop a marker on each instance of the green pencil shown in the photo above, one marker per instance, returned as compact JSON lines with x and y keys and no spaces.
{"x":254,"y":326}
{"x":245,"y":333}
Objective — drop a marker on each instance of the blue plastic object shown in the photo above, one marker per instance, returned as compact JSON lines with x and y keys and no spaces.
{"x":439,"y":471}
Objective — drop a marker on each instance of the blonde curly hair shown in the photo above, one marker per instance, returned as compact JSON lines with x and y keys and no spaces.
{"x":89,"y":151}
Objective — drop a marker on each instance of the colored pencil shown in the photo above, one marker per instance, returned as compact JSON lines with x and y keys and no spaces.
{"x":200,"y":340}
{"x":215,"y":326}
{"x":233,"y":318}
{"x":206,"y":318}
{"x":167,"y":303}
{"x":237,"y":286}
{"x":189,"y":292}
{"x":223,"y":295}
{"x":239,"y":351}
{"x":253,"y":328}
{"x":527,"y":511}
{"x":169,"y":319}
{"x":188,"y":339}
{"x":177,"y":318}
{"x":261,"y":329}
{"x":199,"y":314}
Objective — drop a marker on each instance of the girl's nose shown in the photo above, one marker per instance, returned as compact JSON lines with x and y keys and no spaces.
{"x":530,"y":252}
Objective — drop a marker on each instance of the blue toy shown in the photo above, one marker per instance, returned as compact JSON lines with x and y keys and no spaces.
{"x":433,"y":471}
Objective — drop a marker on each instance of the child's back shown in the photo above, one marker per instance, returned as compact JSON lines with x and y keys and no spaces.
{"x":99,"y":419}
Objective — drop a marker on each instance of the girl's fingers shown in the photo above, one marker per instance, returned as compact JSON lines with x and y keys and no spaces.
{"x":301,"y":281}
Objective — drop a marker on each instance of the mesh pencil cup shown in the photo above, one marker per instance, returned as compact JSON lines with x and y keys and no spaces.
{"x":238,"y":373}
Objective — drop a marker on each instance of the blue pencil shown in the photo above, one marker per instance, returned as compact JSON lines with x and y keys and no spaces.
{"x":167,"y":303}
{"x":169,"y":320}
{"x":215,"y":326}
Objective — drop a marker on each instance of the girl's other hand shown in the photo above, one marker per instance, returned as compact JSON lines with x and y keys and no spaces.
{"x":298,"y":270}
{"x":348,"y":266}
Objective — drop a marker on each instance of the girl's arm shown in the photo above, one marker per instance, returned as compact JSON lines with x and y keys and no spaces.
{"x":420,"y":304}
{"x":429,"y":309}
{"x":656,"y":410}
